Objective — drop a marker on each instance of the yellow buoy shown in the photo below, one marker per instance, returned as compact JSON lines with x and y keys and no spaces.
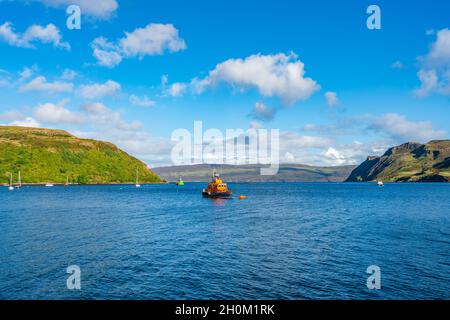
{"x":242,"y":197}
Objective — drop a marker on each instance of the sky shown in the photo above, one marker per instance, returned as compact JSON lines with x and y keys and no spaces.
{"x":138,"y":70}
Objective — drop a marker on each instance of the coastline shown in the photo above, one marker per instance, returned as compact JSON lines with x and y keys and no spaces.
{"x":86,"y":184}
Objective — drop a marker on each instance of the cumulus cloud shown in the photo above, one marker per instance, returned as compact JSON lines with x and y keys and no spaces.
{"x":40,"y":83}
{"x":142,"y":102}
{"x":105,"y":53}
{"x":331,"y":98}
{"x":154,"y":39}
{"x":401,"y":130}
{"x":35,"y":33}
{"x":278,"y":75}
{"x":293,"y":140}
{"x":262,"y":112}
{"x":99,"y":114}
{"x":26,"y":122}
{"x":351,"y":153}
{"x":176,"y":89}
{"x":57,"y":114}
{"x":335,"y":156}
{"x":98,"y":90}
{"x":101,"y":9}
{"x":429,"y":81}
{"x":322,"y":151}
{"x":434,"y":74}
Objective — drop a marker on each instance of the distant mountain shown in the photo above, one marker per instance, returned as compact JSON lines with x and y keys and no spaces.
{"x":411,"y":161}
{"x":251,"y":173}
{"x":44,"y":155}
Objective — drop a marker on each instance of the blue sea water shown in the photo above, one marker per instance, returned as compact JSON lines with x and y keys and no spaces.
{"x":285,"y":241}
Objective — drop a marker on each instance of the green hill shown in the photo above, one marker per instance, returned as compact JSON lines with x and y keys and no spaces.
{"x":413,"y":162}
{"x":44,"y":155}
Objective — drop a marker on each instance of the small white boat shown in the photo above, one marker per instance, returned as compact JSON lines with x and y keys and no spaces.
{"x":49,"y":184}
{"x":380,"y":183}
{"x":19,"y":184}
{"x":10,"y":187}
{"x":137,"y":180}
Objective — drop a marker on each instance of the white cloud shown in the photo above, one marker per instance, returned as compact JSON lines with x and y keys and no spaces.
{"x":154,"y":39}
{"x":434,"y":74}
{"x":401,"y":130}
{"x":105,"y":53}
{"x":164,"y":80}
{"x":278,"y":75}
{"x":262,"y":112}
{"x":26,"y":122}
{"x":48,"y":34}
{"x":176,"y":89}
{"x":97,"y":91}
{"x":351,"y":153}
{"x":429,"y":81}
{"x":256,"y":125}
{"x":289,"y":141}
{"x":68,"y":74}
{"x":440,"y":49}
{"x":331,"y":98}
{"x":95,"y":108}
{"x":57,"y":114}
{"x":27,"y":72}
{"x":101,"y":9}
{"x":5,"y":78}
{"x":397,"y":65}
{"x":142,"y":102}
{"x":99,"y":114}
{"x":335,"y":156}
{"x":40,"y":83}
{"x":12,"y":116}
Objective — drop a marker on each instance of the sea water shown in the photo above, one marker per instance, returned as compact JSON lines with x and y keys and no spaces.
{"x":285,"y":241}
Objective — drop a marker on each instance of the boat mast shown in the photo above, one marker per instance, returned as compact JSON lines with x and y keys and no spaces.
{"x":20,"y":180}
{"x":10,"y":179}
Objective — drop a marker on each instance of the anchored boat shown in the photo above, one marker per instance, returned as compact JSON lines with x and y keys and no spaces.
{"x":137,"y":185}
{"x":180,"y":182}
{"x":11,"y":187}
{"x":217,"y":188}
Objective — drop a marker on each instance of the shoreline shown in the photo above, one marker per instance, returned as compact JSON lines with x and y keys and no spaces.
{"x":83,"y":184}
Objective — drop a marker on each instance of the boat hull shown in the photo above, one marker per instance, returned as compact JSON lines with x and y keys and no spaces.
{"x":220,"y":195}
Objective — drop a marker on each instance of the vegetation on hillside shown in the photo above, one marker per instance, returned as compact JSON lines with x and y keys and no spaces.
{"x":413,"y":162}
{"x":45,"y":155}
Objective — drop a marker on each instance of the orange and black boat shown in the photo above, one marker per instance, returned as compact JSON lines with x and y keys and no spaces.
{"x":217,"y":188}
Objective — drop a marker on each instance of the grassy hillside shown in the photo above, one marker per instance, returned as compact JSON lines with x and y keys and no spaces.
{"x":251,"y":173}
{"x":44,"y":155}
{"x":411,"y":161}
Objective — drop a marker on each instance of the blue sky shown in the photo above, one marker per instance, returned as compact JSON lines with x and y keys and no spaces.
{"x":384,"y":87}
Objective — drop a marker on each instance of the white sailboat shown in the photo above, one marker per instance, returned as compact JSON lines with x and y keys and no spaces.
{"x":10,"y":182}
{"x":380,"y":183}
{"x":137,"y":180}
{"x":19,"y":182}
